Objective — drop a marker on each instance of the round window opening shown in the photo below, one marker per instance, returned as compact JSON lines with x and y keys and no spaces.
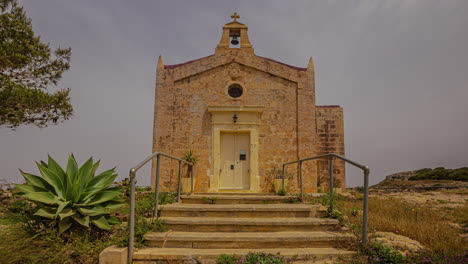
{"x":235,"y":90}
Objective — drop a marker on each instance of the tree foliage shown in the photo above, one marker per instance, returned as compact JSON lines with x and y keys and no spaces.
{"x":28,"y":67}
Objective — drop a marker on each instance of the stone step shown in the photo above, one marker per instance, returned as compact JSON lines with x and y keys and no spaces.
{"x":153,"y":255}
{"x":253,"y":240}
{"x":237,"y":199}
{"x":243,"y":210}
{"x":221,"y":224}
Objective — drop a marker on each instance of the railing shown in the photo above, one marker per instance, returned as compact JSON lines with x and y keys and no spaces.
{"x":366,"y":184}
{"x":133,"y":171}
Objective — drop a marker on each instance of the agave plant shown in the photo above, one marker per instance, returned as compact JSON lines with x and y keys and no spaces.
{"x":74,"y":196}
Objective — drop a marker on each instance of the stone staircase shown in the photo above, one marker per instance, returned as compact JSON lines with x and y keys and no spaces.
{"x":237,"y":224}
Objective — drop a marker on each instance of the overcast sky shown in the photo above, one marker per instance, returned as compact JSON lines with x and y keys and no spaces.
{"x":399,"y":69}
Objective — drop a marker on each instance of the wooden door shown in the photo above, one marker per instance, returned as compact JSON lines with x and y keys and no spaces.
{"x":235,"y":161}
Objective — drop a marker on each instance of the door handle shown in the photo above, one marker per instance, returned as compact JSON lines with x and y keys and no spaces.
{"x":232,"y":166}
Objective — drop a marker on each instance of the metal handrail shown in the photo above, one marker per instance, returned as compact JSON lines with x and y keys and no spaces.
{"x":133,"y":171}
{"x":366,"y":185}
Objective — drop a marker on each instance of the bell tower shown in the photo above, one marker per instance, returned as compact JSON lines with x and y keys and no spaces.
{"x":232,"y":33}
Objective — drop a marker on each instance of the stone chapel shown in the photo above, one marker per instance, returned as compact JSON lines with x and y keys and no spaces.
{"x":243,"y":116}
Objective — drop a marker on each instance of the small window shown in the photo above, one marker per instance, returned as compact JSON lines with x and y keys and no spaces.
{"x":235,"y":90}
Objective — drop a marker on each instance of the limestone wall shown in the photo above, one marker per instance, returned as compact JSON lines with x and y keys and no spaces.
{"x":182,"y":121}
{"x":330,"y":133}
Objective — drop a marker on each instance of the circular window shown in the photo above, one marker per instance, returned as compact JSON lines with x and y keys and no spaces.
{"x":235,"y":90}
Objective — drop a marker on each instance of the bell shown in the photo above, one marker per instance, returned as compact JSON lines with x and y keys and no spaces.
{"x":234,"y":40}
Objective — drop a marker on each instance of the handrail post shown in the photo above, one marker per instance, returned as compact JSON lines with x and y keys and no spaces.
{"x":131,"y":220}
{"x":331,"y":185}
{"x":179,"y":185}
{"x":156,"y":193}
{"x":282,"y":178}
{"x":191,"y":178}
{"x":302,"y":181}
{"x":366,"y":205}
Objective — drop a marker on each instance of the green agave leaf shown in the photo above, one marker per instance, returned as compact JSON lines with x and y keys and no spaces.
{"x":64,"y":225}
{"x":66,"y":213}
{"x":54,"y":166}
{"x":102,"y":181}
{"x":101,"y":197}
{"x":25,"y":188}
{"x":80,"y":181}
{"x":52,"y":178}
{"x":82,"y":220}
{"x":94,"y":211}
{"x":95,"y":167}
{"x":62,"y":206}
{"x":46,"y":212}
{"x":42,"y":197}
{"x":101,"y":222}
{"x":87,"y":196}
{"x":36,"y":181}
{"x":113,"y":220}
{"x":44,"y":164}
{"x":112,"y":206}
{"x":72,"y":170}
{"x":85,"y":173}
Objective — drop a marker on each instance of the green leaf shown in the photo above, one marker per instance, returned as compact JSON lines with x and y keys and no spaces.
{"x":66,"y":213}
{"x":47,"y":213}
{"x":85,"y":173}
{"x":54,"y":166}
{"x":64,"y":225}
{"x":82,"y":220}
{"x":62,"y":205}
{"x":95,"y":167}
{"x":102,"y":197}
{"x":87,"y":196}
{"x":42,"y":197}
{"x":102,"y":181}
{"x":36,"y":181}
{"x":94,"y":211}
{"x":24,"y":188}
{"x":72,"y":170}
{"x":52,"y":178}
{"x":112,"y":206}
{"x":102,"y":223}
{"x":113,"y":220}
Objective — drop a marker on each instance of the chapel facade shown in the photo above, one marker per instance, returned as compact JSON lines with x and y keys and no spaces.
{"x":243,"y":116}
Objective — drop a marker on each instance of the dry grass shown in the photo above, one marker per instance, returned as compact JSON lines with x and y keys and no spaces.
{"x":422,"y":223}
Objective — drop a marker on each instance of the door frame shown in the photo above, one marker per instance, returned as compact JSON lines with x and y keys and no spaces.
{"x":248,"y":120}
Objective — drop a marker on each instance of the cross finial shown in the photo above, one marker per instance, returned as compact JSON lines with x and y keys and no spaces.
{"x":235,"y":16}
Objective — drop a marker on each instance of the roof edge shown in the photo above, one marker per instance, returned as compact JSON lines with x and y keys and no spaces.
{"x":173,"y":66}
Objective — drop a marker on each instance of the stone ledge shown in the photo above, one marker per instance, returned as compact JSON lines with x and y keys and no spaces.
{"x":114,"y":255}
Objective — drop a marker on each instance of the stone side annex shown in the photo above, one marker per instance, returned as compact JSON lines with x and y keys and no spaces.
{"x":276,"y":109}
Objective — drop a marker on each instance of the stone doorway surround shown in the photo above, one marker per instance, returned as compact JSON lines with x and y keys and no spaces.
{"x":235,"y":119}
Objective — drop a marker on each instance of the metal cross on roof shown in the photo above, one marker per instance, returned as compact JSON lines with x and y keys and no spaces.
{"x":235,"y":16}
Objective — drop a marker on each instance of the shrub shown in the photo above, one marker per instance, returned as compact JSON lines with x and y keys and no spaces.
{"x":379,"y":253}
{"x":425,"y":256}
{"x":74,"y":196}
{"x":282,"y":192}
{"x":227,"y":259}
{"x":440,"y":173}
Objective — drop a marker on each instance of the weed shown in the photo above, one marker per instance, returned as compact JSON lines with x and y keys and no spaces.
{"x":227,"y":259}
{"x":293,"y":200}
{"x":253,"y":258}
{"x":210,"y":200}
{"x":282,"y":192}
